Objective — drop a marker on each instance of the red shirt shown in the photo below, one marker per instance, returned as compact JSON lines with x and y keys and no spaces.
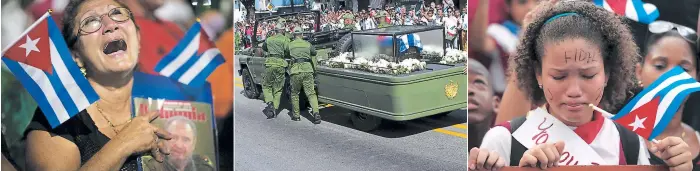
{"x":157,"y":39}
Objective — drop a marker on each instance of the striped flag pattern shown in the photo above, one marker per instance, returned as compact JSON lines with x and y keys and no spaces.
{"x":633,"y":9}
{"x":62,"y":91}
{"x":190,"y":62}
{"x":650,"y":111}
{"x":410,"y":40}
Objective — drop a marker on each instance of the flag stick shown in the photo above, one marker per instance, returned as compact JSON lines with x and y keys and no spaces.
{"x":608,"y":115}
{"x":26,"y":31}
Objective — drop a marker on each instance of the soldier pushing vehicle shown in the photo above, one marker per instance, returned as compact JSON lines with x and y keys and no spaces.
{"x":277,"y":48}
{"x":302,"y":75}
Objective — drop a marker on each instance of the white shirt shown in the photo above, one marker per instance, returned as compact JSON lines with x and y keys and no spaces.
{"x":451,"y":25}
{"x":370,"y":24}
{"x":606,"y":144}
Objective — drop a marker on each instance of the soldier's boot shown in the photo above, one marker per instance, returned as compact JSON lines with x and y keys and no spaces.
{"x":296,"y":117}
{"x":269,"y":111}
{"x":317,"y":118}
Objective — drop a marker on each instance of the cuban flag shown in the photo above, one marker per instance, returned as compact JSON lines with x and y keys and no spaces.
{"x":190,"y":62}
{"x":633,"y":9}
{"x":404,"y":42}
{"x":41,"y":61}
{"x":650,"y":111}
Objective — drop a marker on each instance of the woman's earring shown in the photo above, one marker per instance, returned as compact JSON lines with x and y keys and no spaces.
{"x":540,"y":86}
{"x":640,"y":84}
{"x":82,"y":70}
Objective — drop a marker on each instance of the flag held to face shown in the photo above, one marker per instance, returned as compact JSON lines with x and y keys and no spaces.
{"x":650,"y":111}
{"x":190,"y":62}
{"x":42,"y":62}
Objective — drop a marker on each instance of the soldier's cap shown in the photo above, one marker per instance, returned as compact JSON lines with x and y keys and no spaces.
{"x":298,"y":33}
{"x":348,"y":16}
{"x":380,"y":14}
{"x":279,"y":26}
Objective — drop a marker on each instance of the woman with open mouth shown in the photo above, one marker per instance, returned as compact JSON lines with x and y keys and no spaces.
{"x":104,"y":41}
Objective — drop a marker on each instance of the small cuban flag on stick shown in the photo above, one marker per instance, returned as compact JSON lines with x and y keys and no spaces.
{"x":633,"y":9}
{"x":190,"y":62}
{"x":42,"y":62}
{"x":650,"y":111}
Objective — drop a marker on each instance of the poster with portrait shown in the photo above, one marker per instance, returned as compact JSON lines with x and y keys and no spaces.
{"x":187,"y":114}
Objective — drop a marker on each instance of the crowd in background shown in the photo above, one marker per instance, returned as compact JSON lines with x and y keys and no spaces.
{"x":430,"y":14}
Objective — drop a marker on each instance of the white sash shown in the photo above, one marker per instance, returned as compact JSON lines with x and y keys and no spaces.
{"x":541,"y":127}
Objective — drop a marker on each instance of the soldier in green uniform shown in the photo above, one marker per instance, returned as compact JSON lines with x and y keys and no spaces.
{"x":381,"y":18}
{"x":349,"y":22}
{"x":302,"y":70}
{"x":273,"y":78}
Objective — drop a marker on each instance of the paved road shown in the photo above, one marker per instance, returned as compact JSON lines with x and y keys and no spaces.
{"x":282,"y":144}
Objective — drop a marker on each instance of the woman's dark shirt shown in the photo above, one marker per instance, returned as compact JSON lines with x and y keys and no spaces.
{"x":81,"y":131}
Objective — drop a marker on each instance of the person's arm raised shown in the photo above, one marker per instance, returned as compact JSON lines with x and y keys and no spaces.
{"x":479,"y":40}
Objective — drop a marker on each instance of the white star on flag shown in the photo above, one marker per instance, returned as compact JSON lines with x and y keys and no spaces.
{"x":30,"y":45}
{"x":638,"y":123}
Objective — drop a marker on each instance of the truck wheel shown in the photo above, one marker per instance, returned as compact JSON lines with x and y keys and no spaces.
{"x":365,"y":122}
{"x":251,"y":90}
{"x":343,"y":45}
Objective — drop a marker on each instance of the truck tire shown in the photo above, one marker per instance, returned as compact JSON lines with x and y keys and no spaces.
{"x":251,"y":90}
{"x":365,"y":122}
{"x":343,"y":45}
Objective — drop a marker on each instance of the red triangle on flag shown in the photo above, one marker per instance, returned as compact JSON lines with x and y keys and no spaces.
{"x":33,"y":48}
{"x":642,"y":119}
{"x":618,"y":6}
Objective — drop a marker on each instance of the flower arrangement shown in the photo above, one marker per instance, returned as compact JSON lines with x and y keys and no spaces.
{"x":452,"y":56}
{"x":376,"y":64}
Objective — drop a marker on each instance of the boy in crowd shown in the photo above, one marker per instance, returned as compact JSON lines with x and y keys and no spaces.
{"x":483,"y":103}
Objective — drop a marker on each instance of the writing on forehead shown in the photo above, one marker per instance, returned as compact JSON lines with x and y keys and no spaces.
{"x":578,"y":55}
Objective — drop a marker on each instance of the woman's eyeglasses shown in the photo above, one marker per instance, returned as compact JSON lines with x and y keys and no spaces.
{"x":94,"y":23}
{"x":660,"y":27}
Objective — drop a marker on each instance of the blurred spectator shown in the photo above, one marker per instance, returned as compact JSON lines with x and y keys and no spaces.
{"x":39,"y":7}
{"x":483,"y":103}
{"x":497,"y":10}
{"x":493,"y":44}
{"x":176,"y":11}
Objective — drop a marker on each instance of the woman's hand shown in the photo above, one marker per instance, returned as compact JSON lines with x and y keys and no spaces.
{"x":675,"y":152}
{"x":546,"y":154}
{"x":141,"y":136}
{"x":481,"y":159}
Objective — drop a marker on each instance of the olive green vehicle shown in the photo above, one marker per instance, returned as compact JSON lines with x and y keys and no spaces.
{"x":372,"y":97}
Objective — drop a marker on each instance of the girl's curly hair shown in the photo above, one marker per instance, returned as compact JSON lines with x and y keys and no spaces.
{"x":592,"y":23}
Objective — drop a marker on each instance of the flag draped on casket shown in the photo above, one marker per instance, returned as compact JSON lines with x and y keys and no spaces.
{"x":650,"y":111}
{"x":404,"y":42}
{"x":633,"y":9}
{"x":42,"y":62}
{"x":190,"y":62}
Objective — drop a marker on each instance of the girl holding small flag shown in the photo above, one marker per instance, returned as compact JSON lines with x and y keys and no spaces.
{"x":573,"y":54}
{"x":670,"y":45}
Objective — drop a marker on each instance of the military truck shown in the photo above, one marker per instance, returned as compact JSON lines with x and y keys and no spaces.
{"x":374,"y":91}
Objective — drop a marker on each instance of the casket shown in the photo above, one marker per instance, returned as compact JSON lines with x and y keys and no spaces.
{"x":437,"y":89}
